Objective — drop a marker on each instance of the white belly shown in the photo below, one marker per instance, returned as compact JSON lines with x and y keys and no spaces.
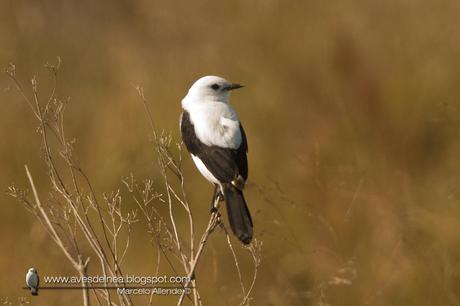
{"x":204,"y":171}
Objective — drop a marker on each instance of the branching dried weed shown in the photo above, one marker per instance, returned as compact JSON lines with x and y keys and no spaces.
{"x":87,"y":224}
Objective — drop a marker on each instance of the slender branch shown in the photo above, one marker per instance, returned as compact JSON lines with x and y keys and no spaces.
{"x":235,"y":259}
{"x":79,"y":266}
{"x":255,"y":248}
{"x":213,"y":222}
{"x":44,"y":215}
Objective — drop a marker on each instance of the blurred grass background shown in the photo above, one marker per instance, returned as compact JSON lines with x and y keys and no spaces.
{"x":352,"y":114}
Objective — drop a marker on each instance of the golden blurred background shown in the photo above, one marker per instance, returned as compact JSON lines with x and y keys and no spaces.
{"x":351,"y":109}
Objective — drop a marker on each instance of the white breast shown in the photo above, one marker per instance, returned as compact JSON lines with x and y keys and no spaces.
{"x":216,"y":124}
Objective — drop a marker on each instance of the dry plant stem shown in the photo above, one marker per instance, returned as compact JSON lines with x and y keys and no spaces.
{"x":51,"y":117}
{"x":79,"y":266}
{"x":82,"y":270}
{"x":149,"y":212}
{"x":148,"y":216}
{"x":90,"y":232}
{"x":254,"y":249}
{"x":213,"y":222}
{"x":166,"y":162}
{"x":229,"y":242}
{"x":72,"y":212}
{"x":173,"y":221}
{"x":117,"y":271}
{"x":54,"y":174}
{"x":53,"y":171}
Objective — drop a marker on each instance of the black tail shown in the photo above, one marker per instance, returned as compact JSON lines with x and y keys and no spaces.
{"x":238,"y":213}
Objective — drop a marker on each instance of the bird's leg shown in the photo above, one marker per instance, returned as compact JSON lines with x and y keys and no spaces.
{"x":220,"y":195}
{"x":214,"y":195}
{"x":217,"y":197}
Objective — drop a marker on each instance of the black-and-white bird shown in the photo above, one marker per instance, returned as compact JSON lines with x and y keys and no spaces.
{"x":32,"y":280}
{"x":216,"y":140}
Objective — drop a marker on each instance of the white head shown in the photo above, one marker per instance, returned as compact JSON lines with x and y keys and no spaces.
{"x":211,"y":89}
{"x":32,"y":270}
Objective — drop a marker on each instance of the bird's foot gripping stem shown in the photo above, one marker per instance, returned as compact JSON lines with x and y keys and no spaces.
{"x":217,"y":197}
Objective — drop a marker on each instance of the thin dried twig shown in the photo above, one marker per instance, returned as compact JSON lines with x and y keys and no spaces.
{"x":82,"y":225}
{"x":214,"y":220}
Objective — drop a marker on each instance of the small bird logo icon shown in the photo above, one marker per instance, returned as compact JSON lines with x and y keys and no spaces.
{"x":32,"y":280}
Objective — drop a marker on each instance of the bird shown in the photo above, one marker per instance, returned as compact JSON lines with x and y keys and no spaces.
{"x":32,"y":280}
{"x":215,"y":138}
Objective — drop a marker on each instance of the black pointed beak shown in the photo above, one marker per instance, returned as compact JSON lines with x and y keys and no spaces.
{"x":234,"y":86}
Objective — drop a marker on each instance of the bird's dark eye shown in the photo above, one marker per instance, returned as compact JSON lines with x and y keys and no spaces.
{"x":215,"y":86}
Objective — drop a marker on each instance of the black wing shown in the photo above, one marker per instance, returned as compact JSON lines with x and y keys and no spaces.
{"x":224,"y":163}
